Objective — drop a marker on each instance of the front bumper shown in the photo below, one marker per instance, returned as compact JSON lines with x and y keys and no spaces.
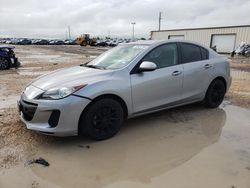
{"x":14,"y":63}
{"x":53,"y":117}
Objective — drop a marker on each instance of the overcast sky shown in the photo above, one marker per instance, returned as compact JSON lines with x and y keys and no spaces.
{"x":50,"y":18}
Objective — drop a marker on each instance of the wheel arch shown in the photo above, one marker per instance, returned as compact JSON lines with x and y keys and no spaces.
{"x":7,"y":59}
{"x":216,"y":78}
{"x":222,"y":79}
{"x":112,"y":96}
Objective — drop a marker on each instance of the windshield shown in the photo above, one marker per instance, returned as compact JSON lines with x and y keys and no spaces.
{"x":117,"y":57}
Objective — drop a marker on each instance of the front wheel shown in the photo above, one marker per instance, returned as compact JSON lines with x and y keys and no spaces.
{"x":215,"y":94}
{"x":4,"y":64}
{"x":102,"y":119}
{"x":247,"y":54}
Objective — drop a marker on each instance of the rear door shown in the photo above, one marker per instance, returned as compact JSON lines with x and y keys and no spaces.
{"x":155,"y":89}
{"x":197,"y":71}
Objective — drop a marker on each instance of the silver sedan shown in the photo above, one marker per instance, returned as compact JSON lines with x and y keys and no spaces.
{"x":129,"y":80}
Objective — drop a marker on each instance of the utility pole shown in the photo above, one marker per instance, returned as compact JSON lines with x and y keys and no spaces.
{"x":133,"y":36}
{"x":160,"y":18}
{"x":69,"y":31}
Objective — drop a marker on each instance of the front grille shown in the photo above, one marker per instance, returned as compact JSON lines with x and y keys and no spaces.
{"x":28,"y":109}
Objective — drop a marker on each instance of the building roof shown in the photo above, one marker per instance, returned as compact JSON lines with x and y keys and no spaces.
{"x":199,"y":28}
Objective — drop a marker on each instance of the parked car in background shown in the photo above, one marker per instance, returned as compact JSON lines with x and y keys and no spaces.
{"x":24,"y":42}
{"x":8,"y":58}
{"x":52,"y":42}
{"x":36,"y":41}
{"x":2,"y":41}
{"x":101,"y":43}
{"x":8,"y":42}
{"x":59,"y":42}
{"x":127,"y":81}
{"x":73,"y":42}
{"x":43,"y":42}
{"x":66,"y":42}
{"x":13,"y":41}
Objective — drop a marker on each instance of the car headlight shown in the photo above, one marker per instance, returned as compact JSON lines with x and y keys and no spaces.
{"x":59,"y":93}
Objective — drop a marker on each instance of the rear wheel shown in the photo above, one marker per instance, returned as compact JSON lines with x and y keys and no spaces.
{"x":215,"y":94}
{"x":247,"y":54}
{"x":83,"y":43}
{"x":102,"y":119}
{"x":4,"y":64}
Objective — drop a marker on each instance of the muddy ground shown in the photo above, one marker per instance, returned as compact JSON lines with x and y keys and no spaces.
{"x":184,"y":147}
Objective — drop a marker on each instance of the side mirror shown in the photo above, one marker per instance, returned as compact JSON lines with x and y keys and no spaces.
{"x":146,"y":66}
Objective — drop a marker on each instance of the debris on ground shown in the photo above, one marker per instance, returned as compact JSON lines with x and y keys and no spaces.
{"x":81,"y":146}
{"x":34,"y":184}
{"x":40,"y":161}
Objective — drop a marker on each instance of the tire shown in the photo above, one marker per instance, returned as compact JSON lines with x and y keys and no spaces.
{"x":247,"y":54}
{"x":102,"y":119}
{"x":215,"y":94}
{"x":4,"y":64}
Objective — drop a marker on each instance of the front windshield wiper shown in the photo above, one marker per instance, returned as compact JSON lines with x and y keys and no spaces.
{"x":93,"y":66}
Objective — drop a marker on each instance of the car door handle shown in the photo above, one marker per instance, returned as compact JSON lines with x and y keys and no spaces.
{"x":176,"y":73}
{"x":207,"y":66}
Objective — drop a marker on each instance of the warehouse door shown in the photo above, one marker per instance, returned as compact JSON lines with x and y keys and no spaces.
{"x":181,"y":37}
{"x":224,"y":43}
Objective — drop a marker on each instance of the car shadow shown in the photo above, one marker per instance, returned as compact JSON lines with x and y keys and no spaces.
{"x":146,"y":147}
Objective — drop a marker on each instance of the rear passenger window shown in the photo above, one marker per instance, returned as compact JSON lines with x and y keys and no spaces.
{"x":204,"y":54}
{"x":190,"y":53}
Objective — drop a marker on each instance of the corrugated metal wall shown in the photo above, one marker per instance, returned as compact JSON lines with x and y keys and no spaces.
{"x":203,"y":36}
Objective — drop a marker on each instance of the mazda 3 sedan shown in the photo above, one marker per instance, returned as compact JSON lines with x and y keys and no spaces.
{"x":129,"y":80}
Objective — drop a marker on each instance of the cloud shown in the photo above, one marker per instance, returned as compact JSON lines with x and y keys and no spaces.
{"x":49,"y":19}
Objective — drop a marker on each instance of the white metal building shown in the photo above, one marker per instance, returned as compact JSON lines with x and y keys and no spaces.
{"x":226,"y":39}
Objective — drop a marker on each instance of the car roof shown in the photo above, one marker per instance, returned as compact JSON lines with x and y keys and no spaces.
{"x":8,"y":47}
{"x":146,"y":42}
{"x":154,"y":42}
{"x":159,"y":42}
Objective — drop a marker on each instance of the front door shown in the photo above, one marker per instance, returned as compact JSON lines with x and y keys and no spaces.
{"x":151,"y":90}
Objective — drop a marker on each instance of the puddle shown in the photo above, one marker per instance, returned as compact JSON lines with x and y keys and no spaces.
{"x":186,"y":147}
{"x":8,"y":102}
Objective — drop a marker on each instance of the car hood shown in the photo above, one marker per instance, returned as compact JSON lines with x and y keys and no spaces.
{"x":74,"y":76}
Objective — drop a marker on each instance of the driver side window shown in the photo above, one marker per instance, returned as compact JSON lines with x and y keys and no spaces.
{"x":163,"y":56}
